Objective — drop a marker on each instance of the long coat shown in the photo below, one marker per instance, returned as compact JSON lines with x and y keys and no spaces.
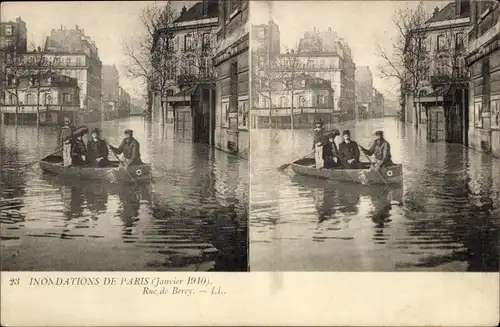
{"x":97,"y":149}
{"x":130,"y":150}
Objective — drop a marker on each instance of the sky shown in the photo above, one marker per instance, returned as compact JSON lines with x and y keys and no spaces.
{"x":106,"y":22}
{"x":362,"y":24}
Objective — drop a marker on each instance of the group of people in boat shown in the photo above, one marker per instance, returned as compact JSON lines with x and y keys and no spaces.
{"x":347,"y":154}
{"x":94,"y":152}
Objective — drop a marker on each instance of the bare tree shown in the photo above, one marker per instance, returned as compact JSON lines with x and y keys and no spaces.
{"x":10,"y":76}
{"x":272,"y":73}
{"x":149,"y":55}
{"x":407,"y":59}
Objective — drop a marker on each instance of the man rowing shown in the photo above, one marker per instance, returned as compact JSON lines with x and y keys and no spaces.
{"x":381,"y":149}
{"x":130,"y":149}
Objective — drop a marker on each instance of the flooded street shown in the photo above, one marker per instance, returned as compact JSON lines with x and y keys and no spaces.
{"x":192,"y":216}
{"x":445,"y":217}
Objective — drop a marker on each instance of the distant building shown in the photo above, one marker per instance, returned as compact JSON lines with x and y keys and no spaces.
{"x":13,"y":40}
{"x":378,"y":104}
{"x":363,"y":91}
{"x":484,"y":89}
{"x":231,"y":64}
{"x":123,"y":104}
{"x":53,"y":98}
{"x":313,"y":98}
{"x":110,"y":82}
{"x":74,"y":54}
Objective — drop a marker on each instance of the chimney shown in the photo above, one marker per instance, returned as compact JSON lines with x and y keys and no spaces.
{"x":183,"y":11}
{"x":329,"y":29}
{"x":436,"y":10}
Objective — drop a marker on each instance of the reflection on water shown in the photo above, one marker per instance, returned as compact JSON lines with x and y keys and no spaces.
{"x":193,"y":216}
{"x":445,"y":215}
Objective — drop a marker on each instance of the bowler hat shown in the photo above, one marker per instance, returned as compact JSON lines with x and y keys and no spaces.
{"x":128,"y":131}
{"x":379,"y":133}
{"x":346,"y":132}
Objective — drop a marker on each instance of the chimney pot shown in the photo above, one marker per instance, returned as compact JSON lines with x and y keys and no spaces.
{"x":436,"y":10}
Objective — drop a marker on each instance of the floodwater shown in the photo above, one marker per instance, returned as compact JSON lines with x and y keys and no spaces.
{"x":444,"y":217}
{"x":192,"y":216}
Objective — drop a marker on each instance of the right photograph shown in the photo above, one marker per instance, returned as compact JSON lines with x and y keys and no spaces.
{"x":375,"y":136}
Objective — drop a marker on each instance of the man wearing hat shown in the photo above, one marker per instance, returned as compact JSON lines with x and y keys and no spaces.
{"x":349,"y":151}
{"x":130,"y":149}
{"x":65,"y":141}
{"x":381,"y":149}
{"x":97,"y":150}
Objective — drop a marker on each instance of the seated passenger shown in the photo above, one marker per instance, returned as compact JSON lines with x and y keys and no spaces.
{"x":349,"y":152}
{"x":97,"y":150}
{"x":330,"y":151}
{"x":79,"y":150}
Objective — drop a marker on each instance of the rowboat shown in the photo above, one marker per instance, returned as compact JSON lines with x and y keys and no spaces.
{"x":363,"y":175}
{"x":112,"y":174}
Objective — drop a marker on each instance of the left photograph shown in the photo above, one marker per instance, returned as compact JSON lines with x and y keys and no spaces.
{"x":124,"y":136}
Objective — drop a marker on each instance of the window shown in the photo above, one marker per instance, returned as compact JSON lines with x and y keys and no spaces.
{"x":57,"y":61}
{"x":188,"y":42}
{"x":486,"y":84}
{"x":67,"y":98}
{"x":321,"y":63}
{"x":78,"y":61}
{"x":206,"y":40}
{"x":459,"y":41}
{"x":262,"y":33}
{"x":441,"y":43}
{"x":170,"y":44}
{"x":8,"y":30}
{"x":68,"y":61}
{"x":423,"y":44}
{"x":332,"y":63}
{"x":11,"y":99}
{"x":495,"y":113}
{"x":29,"y":99}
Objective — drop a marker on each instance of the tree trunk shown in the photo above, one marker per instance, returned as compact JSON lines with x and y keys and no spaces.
{"x":291,"y":111}
{"x":38,"y":108}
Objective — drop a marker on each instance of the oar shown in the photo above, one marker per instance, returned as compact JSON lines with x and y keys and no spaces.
{"x":121,"y":162}
{"x":285,"y":166}
{"x":371,"y":163}
{"x":32,"y":163}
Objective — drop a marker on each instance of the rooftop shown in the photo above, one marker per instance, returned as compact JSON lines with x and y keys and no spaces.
{"x":448,"y":12}
{"x":200,"y":10}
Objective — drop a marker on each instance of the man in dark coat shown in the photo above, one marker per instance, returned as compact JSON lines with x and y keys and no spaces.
{"x":381,"y":149}
{"x":97,"y":150}
{"x":79,"y":150}
{"x":330,"y":151}
{"x":130,"y":149}
{"x":349,"y":151}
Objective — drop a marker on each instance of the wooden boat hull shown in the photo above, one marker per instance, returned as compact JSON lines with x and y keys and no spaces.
{"x":391,"y":174}
{"x":115,"y":174}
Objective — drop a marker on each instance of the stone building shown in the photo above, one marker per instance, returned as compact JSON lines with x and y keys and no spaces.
{"x":378,"y":105}
{"x":313,"y":98}
{"x":187,"y":47}
{"x":440,"y":104}
{"x":123,"y":103}
{"x":52,"y":98}
{"x":110,"y":82}
{"x":13,"y":41}
{"x":483,"y":60}
{"x":74,"y":54}
{"x":231,"y":64}
{"x":363,"y":91}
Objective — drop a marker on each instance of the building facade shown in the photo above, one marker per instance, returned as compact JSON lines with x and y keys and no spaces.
{"x":51,"y":98}
{"x":483,"y":60}
{"x":74,"y":54}
{"x":186,"y":47}
{"x":313,"y":98}
{"x":439,"y":102}
{"x":231,"y":64}
{"x":110,"y":84}
{"x":123,"y":103}
{"x":363,"y":91}
{"x":378,"y":107}
{"x":13,"y":41}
